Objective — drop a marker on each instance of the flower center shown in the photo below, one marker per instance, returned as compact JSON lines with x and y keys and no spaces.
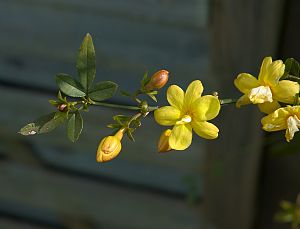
{"x":260,"y":94}
{"x":293,"y":123}
{"x":185,"y":119}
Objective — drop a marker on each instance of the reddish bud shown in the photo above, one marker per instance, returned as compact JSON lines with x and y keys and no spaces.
{"x":62,"y":107}
{"x":158,"y":80}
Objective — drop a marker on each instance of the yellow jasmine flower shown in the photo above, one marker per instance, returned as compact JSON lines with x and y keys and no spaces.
{"x":188,"y":111}
{"x":283,"y":118}
{"x":267,"y":90}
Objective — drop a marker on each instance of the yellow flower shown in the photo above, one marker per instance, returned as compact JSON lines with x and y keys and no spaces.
{"x":110,"y":147}
{"x":188,"y":111}
{"x":267,"y":90}
{"x":283,"y":118}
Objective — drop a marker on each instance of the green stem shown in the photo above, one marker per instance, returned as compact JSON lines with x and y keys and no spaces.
{"x":293,"y":78}
{"x":227,"y":101}
{"x":121,"y":106}
{"x":116,"y":106}
{"x":153,"y":108}
{"x":136,"y":116}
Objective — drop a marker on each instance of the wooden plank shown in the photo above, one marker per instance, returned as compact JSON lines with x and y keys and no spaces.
{"x":94,"y":202}
{"x":138,"y":163}
{"x":280,"y":173}
{"x":16,"y":215}
{"x":32,"y":51}
{"x":243,"y":33}
{"x":190,"y":14}
{"x":14,"y":224}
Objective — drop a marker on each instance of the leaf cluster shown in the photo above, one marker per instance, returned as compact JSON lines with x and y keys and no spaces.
{"x":289,"y":213}
{"x":82,"y":91}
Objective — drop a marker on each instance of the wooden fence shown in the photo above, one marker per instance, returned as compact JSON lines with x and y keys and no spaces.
{"x":48,"y":182}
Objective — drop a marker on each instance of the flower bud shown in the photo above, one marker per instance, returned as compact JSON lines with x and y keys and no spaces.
{"x":62,"y":107}
{"x":158,"y":80}
{"x":216,"y":94}
{"x":163,"y":143}
{"x":110,"y":147}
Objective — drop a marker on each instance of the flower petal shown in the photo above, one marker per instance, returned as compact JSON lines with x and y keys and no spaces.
{"x":294,"y":110}
{"x":272,"y":72}
{"x":276,"y":120}
{"x":285,"y":91}
{"x":269,"y":107}
{"x":175,"y":96}
{"x":293,"y":124}
{"x":192,"y":93}
{"x":205,"y":108}
{"x":245,"y":82}
{"x":243,"y":100}
{"x":167,"y":116}
{"x":264,"y":68}
{"x":181,"y":137}
{"x":205,"y":130}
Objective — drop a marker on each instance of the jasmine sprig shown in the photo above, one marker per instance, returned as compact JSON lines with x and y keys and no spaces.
{"x":77,"y":94}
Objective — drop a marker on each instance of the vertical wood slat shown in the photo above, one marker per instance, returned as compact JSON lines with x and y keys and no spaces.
{"x":281,"y":161}
{"x":244,"y":31}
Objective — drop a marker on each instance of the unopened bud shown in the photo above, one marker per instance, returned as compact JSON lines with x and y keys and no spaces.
{"x":215,"y":93}
{"x":163,"y":143}
{"x":110,"y":147}
{"x":158,"y":80}
{"x":62,"y":107}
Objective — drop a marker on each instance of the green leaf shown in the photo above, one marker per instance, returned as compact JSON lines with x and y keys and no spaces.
{"x":86,"y":63}
{"x":125,"y":93}
{"x":54,"y":102}
{"x":75,"y":126}
{"x":136,"y":123}
{"x":284,"y":217}
{"x":114,"y":126}
{"x":69,"y":86}
{"x":153,"y":93}
{"x":103,"y":90}
{"x":145,"y":80}
{"x":292,"y":67}
{"x":44,"y":124}
{"x":121,"y":119}
{"x":130,"y":135}
{"x":152,"y":97}
{"x":286,"y":205}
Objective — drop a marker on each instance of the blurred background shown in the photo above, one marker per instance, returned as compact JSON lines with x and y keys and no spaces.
{"x":233,"y":182}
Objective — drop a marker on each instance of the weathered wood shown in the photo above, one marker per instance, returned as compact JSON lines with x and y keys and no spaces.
{"x":243,"y":33}
{"x":13,"y":224}
{"x":93,"y":202}
{"x":280,"y":173}
{"x":35,"y":44}
{"x":188,"y":14}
